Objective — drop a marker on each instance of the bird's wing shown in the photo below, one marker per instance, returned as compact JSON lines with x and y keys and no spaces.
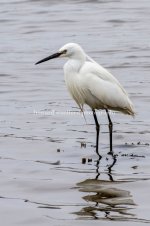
{"x":104,"y":87}
{"x":96,"y":69}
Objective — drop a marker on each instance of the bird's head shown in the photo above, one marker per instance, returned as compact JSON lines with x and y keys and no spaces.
{"x":70,"y":50}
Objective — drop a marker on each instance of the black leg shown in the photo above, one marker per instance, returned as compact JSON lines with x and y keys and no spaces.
{"x":110,"y":168}
{"x":110,"y":132}
{"x":97,"y":131}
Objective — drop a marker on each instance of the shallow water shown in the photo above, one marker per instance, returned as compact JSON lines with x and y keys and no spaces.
{"x":43,"y":180}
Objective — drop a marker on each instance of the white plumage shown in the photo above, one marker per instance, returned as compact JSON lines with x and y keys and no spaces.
{"x":91,"y":84}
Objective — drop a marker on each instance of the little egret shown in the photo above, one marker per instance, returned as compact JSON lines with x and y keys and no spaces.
{"x":91,"y":84}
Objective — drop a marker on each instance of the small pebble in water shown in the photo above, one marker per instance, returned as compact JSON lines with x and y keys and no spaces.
{"x":83,"y":145}
{"x":83,"y":160}
{"x":134,"y":167}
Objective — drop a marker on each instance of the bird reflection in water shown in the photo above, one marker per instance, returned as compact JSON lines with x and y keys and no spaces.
{"x":110,"y":202}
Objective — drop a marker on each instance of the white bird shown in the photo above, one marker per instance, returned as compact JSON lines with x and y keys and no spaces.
{"x":89,"y":83}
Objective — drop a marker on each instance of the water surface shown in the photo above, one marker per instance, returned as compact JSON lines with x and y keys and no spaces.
{"x":43,"y":180}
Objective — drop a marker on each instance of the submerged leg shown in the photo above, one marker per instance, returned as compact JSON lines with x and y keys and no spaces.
{"x":110,"y":132}
{"x":97,"y":131}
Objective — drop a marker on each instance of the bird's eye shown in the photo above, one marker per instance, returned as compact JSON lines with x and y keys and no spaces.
{"x":64,"y":51}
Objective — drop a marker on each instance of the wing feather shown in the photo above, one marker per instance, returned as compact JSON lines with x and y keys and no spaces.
{"x":105,"y":89}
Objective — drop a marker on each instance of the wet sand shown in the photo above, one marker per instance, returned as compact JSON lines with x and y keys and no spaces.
{"x":43,"y":137}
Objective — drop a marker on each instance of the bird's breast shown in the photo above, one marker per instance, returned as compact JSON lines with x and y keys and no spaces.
{"x":72,"y":80}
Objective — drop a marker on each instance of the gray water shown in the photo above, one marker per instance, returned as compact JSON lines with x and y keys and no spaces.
{"x":42,"y":133}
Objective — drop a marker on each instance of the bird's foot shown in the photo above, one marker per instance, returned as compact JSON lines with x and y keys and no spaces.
{"x":111,"y":153}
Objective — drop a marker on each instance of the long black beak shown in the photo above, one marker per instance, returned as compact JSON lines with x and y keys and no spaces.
{"x":55,"y":55}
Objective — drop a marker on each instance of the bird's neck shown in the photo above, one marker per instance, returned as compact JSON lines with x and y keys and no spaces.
{"x":74,"y":64}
